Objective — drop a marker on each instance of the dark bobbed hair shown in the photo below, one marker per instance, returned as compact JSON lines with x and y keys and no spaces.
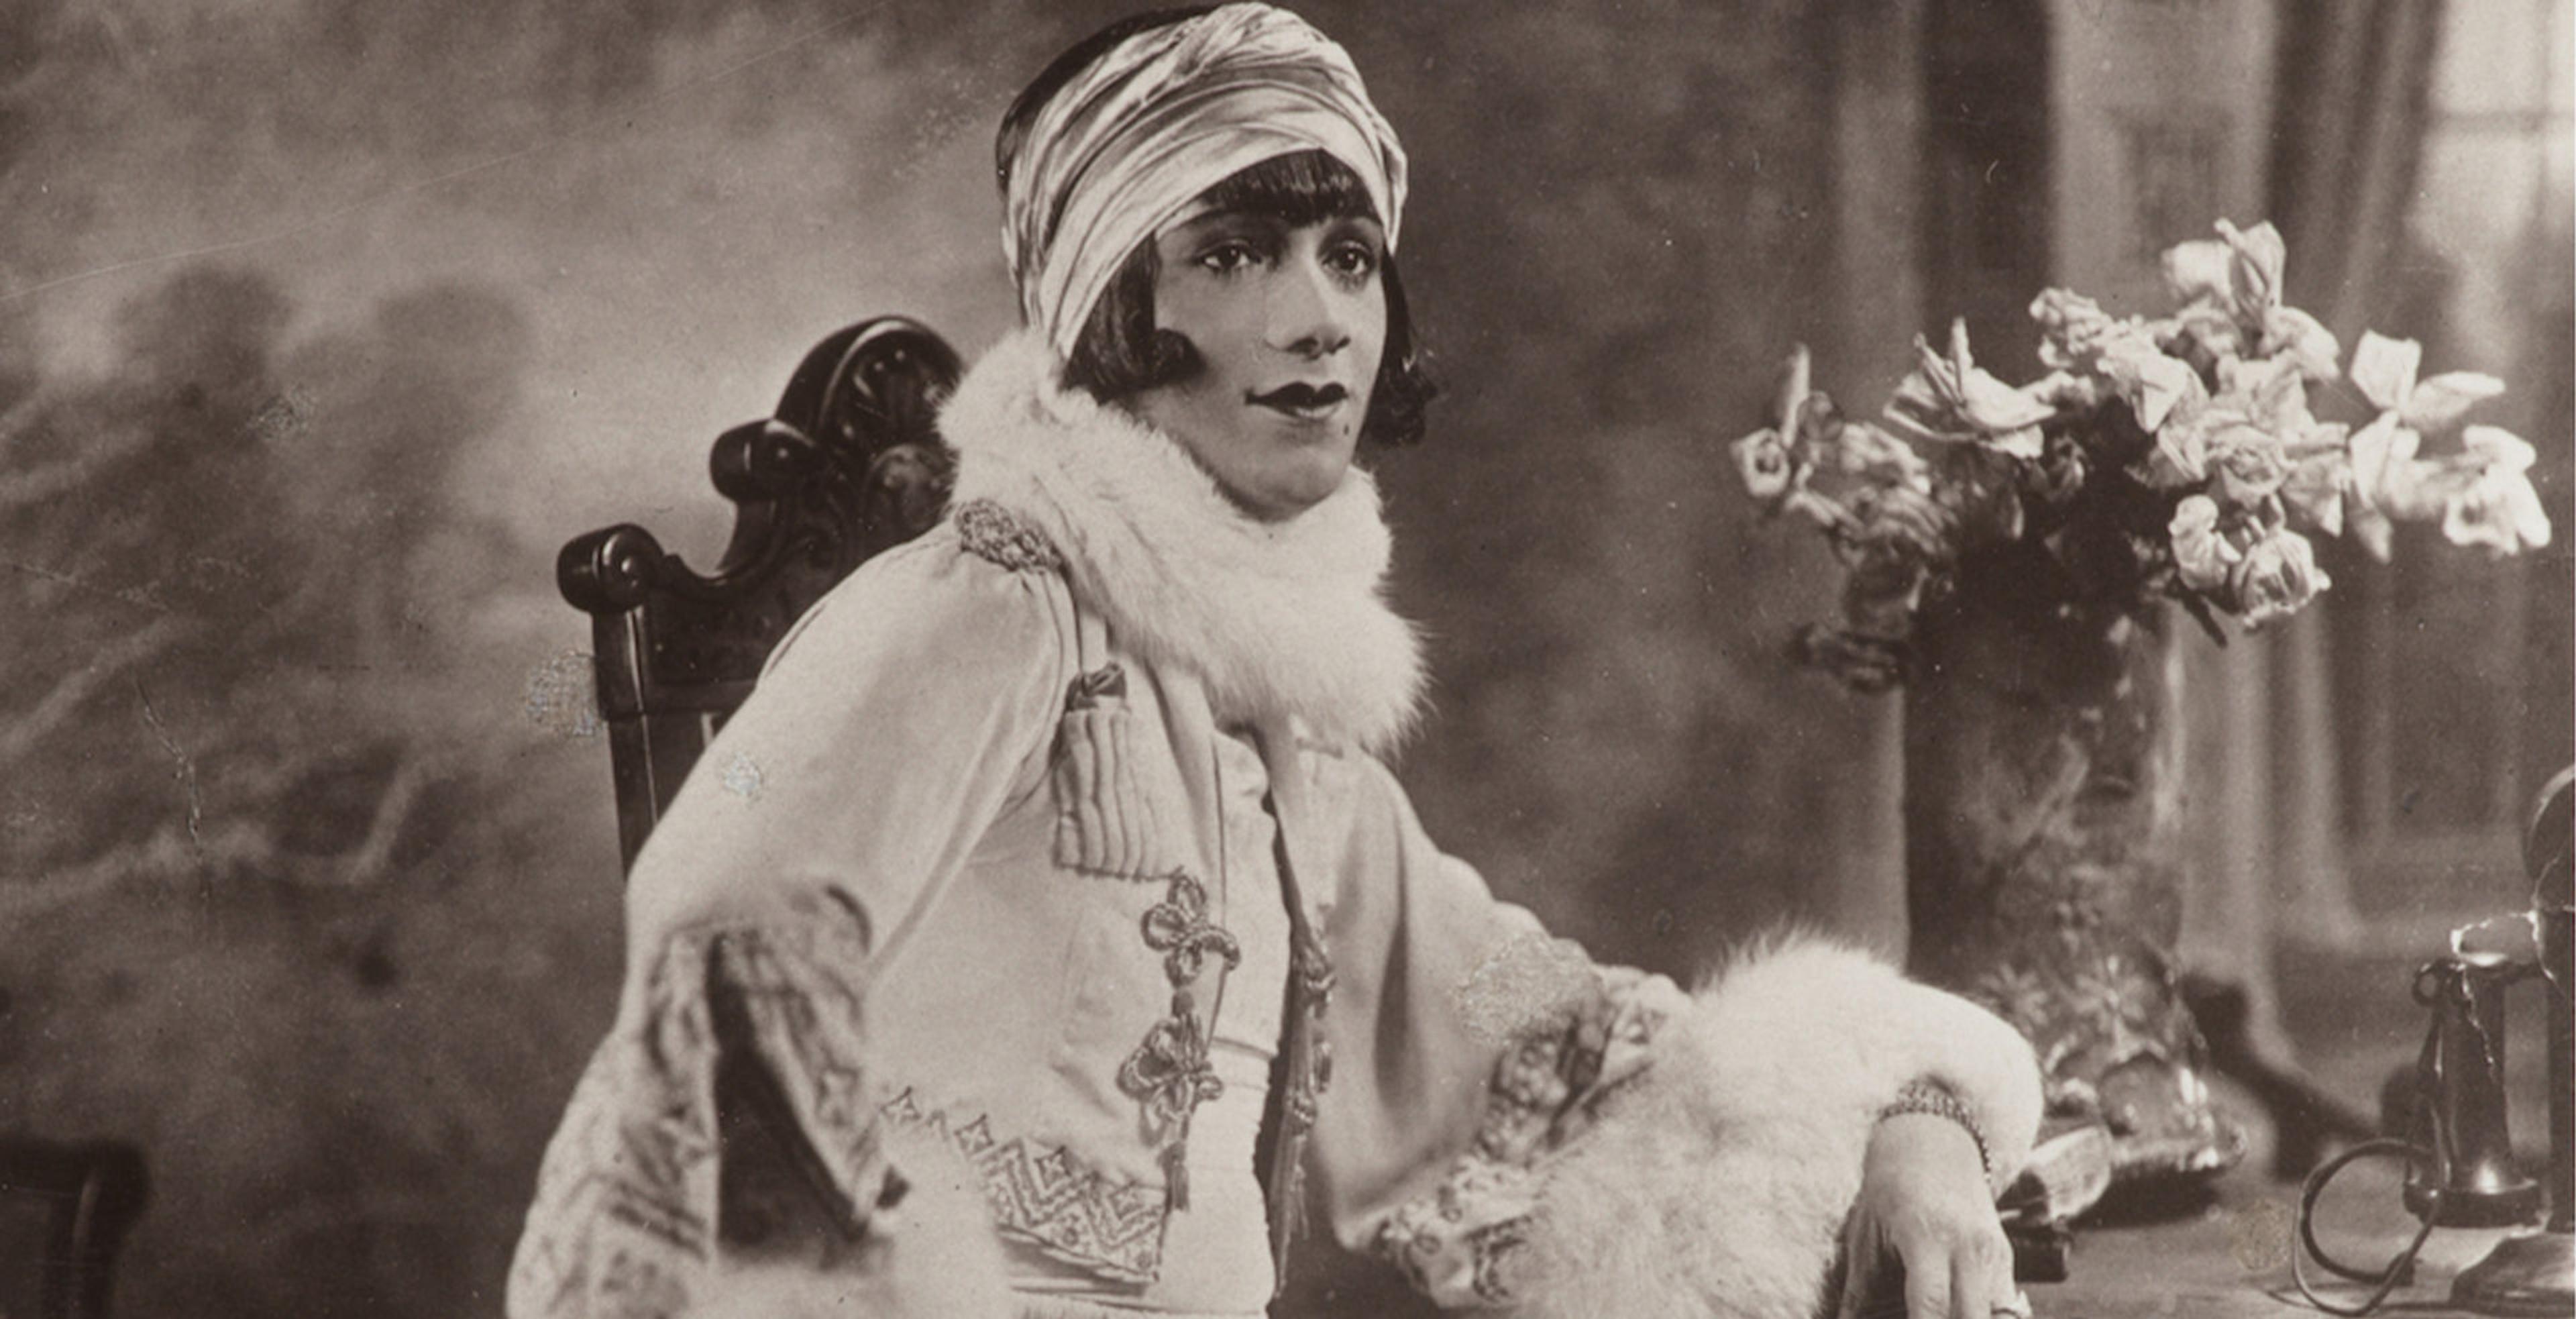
{"x":1121,"y":353}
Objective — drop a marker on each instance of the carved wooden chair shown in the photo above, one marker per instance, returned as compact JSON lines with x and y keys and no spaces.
{"x":848,"y":465}
{"x":64,"y":1212}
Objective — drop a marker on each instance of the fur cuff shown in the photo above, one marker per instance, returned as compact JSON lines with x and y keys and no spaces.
{"x":1718,"y":1182}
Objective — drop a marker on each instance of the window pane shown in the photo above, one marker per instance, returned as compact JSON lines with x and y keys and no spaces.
{"x":2459,"y":662}
{"x":2562,"y":77}
{"x":2488,"y":59}
{"x":2476,"y":193}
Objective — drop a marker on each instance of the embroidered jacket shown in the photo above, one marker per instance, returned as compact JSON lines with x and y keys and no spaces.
{"x":963,"y":916}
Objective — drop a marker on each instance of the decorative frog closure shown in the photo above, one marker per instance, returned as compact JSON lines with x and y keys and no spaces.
{"x":1168,"y":1074}
{"x":1178,"y":928}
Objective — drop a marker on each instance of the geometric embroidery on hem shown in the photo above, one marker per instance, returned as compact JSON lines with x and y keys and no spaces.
{"x":1047,"y":1197}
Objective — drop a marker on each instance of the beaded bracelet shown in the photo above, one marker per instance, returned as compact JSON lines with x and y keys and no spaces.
{"x":1929,"y":1096}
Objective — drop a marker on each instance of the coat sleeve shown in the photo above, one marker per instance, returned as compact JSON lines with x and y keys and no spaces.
{"x":893,"y":725}
{"x":1525,"y":1129}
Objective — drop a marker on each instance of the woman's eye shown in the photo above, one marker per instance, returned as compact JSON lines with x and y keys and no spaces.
{"x":1356,"y":260}
{"x":1227,"y":258}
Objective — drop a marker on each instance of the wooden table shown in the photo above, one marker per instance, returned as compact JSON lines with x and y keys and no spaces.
{"x":2231,"y":1260}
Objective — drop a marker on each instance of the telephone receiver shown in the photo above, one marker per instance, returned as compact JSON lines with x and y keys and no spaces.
{"x":2458,"y":1150}
{"x":2459,"y":1110}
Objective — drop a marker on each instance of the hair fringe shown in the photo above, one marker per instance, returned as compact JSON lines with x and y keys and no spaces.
{"x":1121,"y":352}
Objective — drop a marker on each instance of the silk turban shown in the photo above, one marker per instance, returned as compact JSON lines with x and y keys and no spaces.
{"x":1121,"y":150}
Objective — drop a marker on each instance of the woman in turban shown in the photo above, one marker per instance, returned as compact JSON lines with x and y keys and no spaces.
{"x":1078,"y":923}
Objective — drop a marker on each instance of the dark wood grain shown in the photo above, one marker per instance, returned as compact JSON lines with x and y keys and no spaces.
{"x":849,"y":464}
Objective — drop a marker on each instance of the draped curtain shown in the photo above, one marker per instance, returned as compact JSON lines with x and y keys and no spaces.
{"x":2355,"y":80}
{"x":2352,"y":84}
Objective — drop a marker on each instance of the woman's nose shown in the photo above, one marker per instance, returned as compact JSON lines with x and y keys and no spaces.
{"x":1310,"y":314}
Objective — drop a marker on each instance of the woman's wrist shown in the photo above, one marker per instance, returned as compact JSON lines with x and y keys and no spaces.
{"x":1930,"y":1097}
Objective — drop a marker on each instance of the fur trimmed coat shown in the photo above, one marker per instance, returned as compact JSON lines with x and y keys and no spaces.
{"x":949,"y":896}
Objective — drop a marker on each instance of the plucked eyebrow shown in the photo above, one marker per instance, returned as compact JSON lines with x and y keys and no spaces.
{"x":1249,"y":222}
{"x":1363,"y":226}
{"x":1210,"y":224}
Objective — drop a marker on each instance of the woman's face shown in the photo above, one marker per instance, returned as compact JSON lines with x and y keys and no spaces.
{"x":1288,"y":322}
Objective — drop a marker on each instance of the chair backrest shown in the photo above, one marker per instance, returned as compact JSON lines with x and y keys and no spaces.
{"x":64,"y":1211}
{"x":849,"y":465}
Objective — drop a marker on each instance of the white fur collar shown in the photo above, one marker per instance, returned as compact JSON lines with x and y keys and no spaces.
{"x":1279,"y":621}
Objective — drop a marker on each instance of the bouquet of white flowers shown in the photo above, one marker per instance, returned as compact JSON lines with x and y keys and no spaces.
{"x":2167,"y":458}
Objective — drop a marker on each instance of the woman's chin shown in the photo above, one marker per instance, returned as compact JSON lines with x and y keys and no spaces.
{"x":1283,"y":498}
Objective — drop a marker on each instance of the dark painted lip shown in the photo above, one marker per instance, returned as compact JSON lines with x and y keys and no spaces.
{"x":1302,"y":401}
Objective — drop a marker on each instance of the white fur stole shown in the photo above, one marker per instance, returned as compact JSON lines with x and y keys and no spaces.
{"x":1280,"y":621}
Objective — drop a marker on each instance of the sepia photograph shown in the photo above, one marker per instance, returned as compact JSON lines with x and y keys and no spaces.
{"x":1606,"y":659}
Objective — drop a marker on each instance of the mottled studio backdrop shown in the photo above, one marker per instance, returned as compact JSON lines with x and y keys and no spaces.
{"x":323,"y":322}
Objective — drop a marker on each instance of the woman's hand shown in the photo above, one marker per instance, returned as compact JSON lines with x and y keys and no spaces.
{"x":1924,"y":1205}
